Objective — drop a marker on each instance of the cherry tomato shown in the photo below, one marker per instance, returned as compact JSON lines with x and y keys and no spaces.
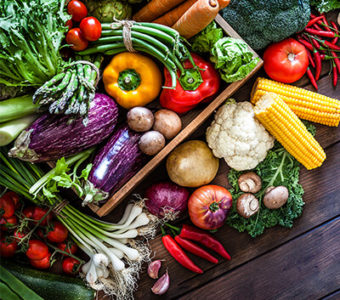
{"x":69,"y":24}
{"x":43,"y":263}
{"x":15,"y":198}
{"x":9,"y":223}
{"x":39,"y":212}
{"x":28,"y":212}
{"x":90,"y":28}
{"x":77,"y":10}
{"x":208,"y":206}
{"x":7,"y":206}
{"x":76,"y":39}
{"x":36,"y":250}
{"x":71,"y":265}
{"x":18,"y":235}
{"x":8,"y":246}
{"x":58,"y":234}
{"x":286,"y":61}
{"x":68,"y":246}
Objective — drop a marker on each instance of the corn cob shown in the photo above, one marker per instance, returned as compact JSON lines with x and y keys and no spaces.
{"x":276,"y":116}
{"x":305,"y":104}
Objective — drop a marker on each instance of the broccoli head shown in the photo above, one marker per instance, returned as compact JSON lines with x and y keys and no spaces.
{"x":261,"y":22}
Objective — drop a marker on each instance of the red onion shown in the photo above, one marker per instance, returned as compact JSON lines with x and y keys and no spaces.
{"x":166,"y":199}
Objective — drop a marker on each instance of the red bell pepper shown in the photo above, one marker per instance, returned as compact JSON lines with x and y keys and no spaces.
{"x":193,"y":87}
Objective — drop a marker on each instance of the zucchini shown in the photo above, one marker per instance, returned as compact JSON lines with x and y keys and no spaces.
{"x":17,"y":286}
{"x":51,"y":286}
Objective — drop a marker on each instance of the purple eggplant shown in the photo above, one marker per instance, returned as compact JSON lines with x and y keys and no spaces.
{"x":52,"y":137}
{"x":114,"y":165}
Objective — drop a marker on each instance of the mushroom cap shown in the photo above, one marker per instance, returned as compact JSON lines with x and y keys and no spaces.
{"x":249,"y":182}
{"x":275,"y":197}
{"x":247,"y":205}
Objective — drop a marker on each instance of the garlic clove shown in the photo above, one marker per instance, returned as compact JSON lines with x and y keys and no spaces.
{"x":162,"y":285}
{"x":153,"y":268}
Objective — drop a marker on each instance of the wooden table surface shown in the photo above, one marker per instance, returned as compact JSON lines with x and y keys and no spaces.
{"x":298,"y":263}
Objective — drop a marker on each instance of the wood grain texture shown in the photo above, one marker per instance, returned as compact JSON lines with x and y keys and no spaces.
{"x":304,"y":268}
{"x":192,"y":121}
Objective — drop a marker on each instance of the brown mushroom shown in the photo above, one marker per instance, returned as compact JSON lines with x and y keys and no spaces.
{"x":247,"y":205}
{"x":249,"y":182}
{"x":275,"y":197}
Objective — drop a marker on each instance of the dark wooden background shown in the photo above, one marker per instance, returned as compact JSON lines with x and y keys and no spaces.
{"x":298,"y":263}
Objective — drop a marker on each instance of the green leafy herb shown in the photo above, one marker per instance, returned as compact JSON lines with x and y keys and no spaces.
{"x":31,"y":32}
{"x":279,"y":168}
{"x":233,"y":59}
{"x":205,"y":40}
{"x":325,"y":5}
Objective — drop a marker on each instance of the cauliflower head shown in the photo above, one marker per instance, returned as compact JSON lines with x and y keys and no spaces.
{"x":238,"y":137}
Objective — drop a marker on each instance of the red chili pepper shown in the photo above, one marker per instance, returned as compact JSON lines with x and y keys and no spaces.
{"x":178,"y":254}
{"x":314,"y":20}
{"x":194,"y":249}
{"x":335,"y":74}
{"x":317,"y":27}
{"x":311,"y":78}
{"x":334,"y":41}
{"x":316,"y":44}
{"x":190,"y":89}
{"x":336,"y":61}
{"x":317,"y":59}
{"x":322,"y":56}
{"x":204,"y":238}
{"x":308,"y":45}
{"x":325,"y":23}
{"x":323,"y":33}
{"x":310,"y":58}
{"x":312,"y":16}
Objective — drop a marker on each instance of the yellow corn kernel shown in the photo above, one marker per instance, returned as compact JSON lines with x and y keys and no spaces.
{"x":276,"y":116}
{"x":305,"y":104}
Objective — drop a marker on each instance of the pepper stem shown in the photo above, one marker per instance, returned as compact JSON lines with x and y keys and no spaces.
{"x":190,"y":79}
{"x":129,"y":80}
{"x":176,"y":229}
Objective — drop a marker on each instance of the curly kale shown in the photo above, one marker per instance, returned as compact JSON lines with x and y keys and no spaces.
{"x":261,"y":22}
{"x":279,"y":168}
{"x":325,"y":5}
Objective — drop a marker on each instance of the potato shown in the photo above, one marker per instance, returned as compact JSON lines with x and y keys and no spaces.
{"x":192,"y":164}
{"x":167,"y":123}
{"x":151,"y":142}
{"x":140,"y":119}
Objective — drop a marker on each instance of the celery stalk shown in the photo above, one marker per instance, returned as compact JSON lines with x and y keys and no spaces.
{"x":16,"y":108}
{"x":11,"y":129}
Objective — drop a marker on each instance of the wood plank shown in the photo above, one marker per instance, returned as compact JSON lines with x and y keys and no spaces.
{"x":322,"y":190}
{"x":332,"y":296}
{"x":305,"y":268}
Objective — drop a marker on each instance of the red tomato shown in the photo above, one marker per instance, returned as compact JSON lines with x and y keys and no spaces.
{"x":39,"y":212}
{"x":208,"y":206}
{"x":7,"y":206}
{"x":15,"y":198}
{"x":58,"y":234}
{"x":75,"y":38}
{"x":43,"y":263}
{"x":77,"y":10}
{"x":69,"y":24}
{"x":71,"y":265}
{"x":9,"y":223}
{"x":28,"y":212}
{"x":68,"y":246}
{"x":286,"y":61}
{"x":36,"y":250}
{"x":7,"y":247}
{"x":91,"y":28}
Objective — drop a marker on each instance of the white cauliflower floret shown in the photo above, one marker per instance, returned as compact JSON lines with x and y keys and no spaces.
{"x":238,"y":137}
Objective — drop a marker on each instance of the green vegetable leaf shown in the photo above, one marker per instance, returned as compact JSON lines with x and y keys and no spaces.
{"x":278,"y":168}
{"x":232,"y":58}
{"x":204,"y":41}
{"x":325,"y":5}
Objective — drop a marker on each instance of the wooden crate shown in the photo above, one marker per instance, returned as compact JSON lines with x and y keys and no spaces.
{"x":191,"y":121}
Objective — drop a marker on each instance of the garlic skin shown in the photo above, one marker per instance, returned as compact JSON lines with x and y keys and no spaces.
{"x":162,"y":285}
{"x":153,"y":268}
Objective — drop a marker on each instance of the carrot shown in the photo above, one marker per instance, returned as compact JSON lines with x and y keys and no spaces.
{"x":223,"y":3}
{"x":171,"y":17}
{"x":197,"y":17}
{"x":154,"y":9}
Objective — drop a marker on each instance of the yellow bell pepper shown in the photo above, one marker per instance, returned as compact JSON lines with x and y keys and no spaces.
{"x":132,"y":79}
